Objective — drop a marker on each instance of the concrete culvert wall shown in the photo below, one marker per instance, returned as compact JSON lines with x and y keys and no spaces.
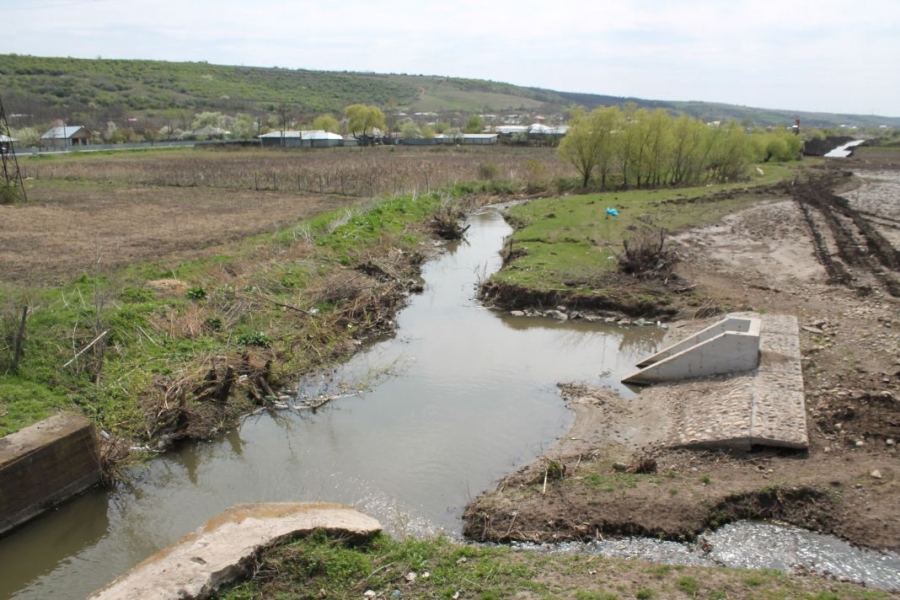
{"x":223,"y":549}
{"x":44,"y":465}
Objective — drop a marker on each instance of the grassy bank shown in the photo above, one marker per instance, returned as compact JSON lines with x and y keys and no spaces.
{"x":568,"y":250}
{"x":165,"y":293}
{"x":151,"y":352}
{"x":317,"y":567}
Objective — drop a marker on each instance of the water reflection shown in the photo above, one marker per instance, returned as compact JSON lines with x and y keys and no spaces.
{"x":53,"y":541}
{"x":429,"y":418}
{"x":640,"y":341}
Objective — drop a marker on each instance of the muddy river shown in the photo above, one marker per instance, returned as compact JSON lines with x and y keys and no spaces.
{"x":457,"y":398}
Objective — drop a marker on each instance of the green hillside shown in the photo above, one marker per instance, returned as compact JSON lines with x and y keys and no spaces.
{"x":95,"y":91}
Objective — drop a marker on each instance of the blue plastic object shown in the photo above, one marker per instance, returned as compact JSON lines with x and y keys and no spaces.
{"x":612,"y":212}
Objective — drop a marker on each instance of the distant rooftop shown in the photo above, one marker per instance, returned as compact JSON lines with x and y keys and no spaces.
{"x":537,"y":128}
{"x":62,"y":133}
{"x":316,"y":134}
{"x":468,"y":136}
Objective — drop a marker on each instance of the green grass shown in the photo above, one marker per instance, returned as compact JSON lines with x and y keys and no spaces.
{"x":688,"y":585}
{"x":177,"y":90}
{"x":88,"y":90}
{"x":143,"y":350}
{"x":572,"y":239}
{"x":319,"y":567}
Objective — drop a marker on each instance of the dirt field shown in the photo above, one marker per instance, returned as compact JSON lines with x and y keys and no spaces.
{"x":86,"y":228}
{"x":829,"y":259}
{"x":99,"y":212}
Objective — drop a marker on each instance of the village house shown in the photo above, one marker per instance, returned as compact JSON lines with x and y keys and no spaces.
{"x":65,"y":137}
{"x":301,"y":139}
{"x":6,"y":143}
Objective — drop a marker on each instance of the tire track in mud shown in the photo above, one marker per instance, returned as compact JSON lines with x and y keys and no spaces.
{"x":881,"y":220}
{"x":836,"y":271}
{"x":863,"y":253}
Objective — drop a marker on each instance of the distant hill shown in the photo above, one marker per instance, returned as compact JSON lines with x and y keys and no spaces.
{"x":99,"y":90}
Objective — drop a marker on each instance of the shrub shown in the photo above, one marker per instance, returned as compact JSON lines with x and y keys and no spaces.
{"x":646,"y":256}
{"x":257,"y":338}
{"x":196,"y":293}
{"x":488,"y":171}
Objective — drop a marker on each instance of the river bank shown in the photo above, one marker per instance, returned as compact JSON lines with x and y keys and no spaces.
{"x":195,"y":472}
{"x":409,"y":568}
{"x":779,"y":256}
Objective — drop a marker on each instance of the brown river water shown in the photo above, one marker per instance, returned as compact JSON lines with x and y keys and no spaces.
{"x":459,"y":397}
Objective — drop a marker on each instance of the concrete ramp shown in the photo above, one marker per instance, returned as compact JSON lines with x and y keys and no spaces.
{"x":729,"y":346}
{"x":737,"y":409}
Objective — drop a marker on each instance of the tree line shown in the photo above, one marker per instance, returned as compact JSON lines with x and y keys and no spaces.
{"x":632,"y":147}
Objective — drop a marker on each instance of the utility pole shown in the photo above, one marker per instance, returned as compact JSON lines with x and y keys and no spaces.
{"x":12,"y":188}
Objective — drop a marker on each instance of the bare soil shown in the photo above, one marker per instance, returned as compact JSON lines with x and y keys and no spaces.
{"x":826,"y":252}
{"x":67,"y":229}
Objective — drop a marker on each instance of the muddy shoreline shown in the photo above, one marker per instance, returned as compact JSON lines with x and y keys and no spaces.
{"x":823,"y":253}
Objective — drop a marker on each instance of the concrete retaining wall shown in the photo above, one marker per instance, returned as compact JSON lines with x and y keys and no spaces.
{"x":44,"y":465}
{"x":730,"y":324}
{"x":223,"y":549}
{"x":729,"y":346}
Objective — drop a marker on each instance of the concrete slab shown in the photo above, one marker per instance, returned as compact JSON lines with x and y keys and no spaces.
{"x":223,"y":549}
{"x":764,"y":406}
{"x":43,"y":465}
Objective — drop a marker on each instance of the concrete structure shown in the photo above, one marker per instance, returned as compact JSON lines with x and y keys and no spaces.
{"x":224,"y":548}
{"x":61,"y":138}
{"x":301,"y":139}
{"x":764,"y":406}
{"x":729,"y":346}
{"x":44,"y":465}
{"x":475,"y":139}
{"x":534,"y":129}
{"x":6,"y":143}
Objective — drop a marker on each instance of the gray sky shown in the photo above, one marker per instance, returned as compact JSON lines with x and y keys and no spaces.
{"x":819,"y":55}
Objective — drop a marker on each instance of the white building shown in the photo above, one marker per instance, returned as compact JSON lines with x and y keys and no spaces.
{"x":301,"y":139}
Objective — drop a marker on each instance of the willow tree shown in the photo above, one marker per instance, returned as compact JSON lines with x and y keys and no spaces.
{"x":685,"y":158}
{"x":326,"y":123}
{"x":728,"y":152}
{"x":657,"y":148}
{"x":589,"y":143}
{"x":363,"y":120}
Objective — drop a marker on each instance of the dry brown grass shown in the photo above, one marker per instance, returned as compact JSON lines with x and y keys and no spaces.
{"x":65,"y":230}
{"x":186,"y":322}
{"x":95,"y":213}
{"x":362,"y":172}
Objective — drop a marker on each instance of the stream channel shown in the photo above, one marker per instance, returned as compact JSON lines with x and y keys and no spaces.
{"x":459,"y":397}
